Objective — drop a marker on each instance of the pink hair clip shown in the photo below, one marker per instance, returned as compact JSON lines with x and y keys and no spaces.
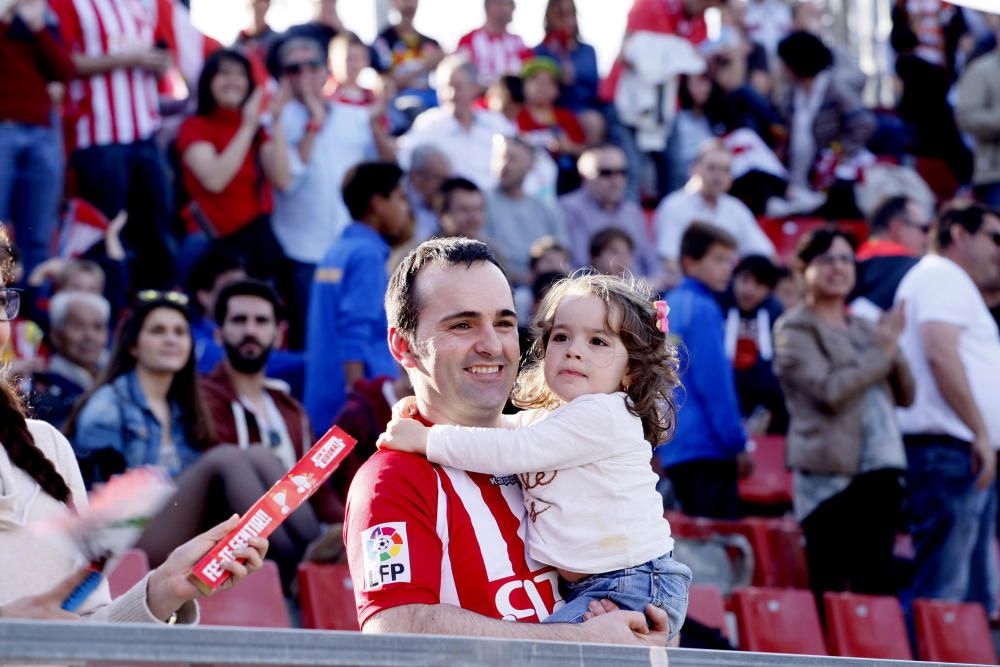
{"x":662,"y":310}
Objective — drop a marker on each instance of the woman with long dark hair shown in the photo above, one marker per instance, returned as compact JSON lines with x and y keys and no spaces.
{"x":231,"y":153}
{"x":147,"y":409}
{"x":40,"y":484}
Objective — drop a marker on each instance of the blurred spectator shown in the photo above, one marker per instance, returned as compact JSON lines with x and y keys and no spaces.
{"x":325,"y":25}
{"x":249,"y":408}
{"x":491,"y":49}
{"x":228,"y":162}
{"x":750,"y":311}
{"x":549,"y":256}
{"x":463,"y":209}
{"x":707,"y":453}
{"x":117,"y":163}
{"x":600,"y":203}
{"x":611,"y":252}
{"x":212,"y":271}
{"x":704,"y":199}
{"x":546,"y":126}
{"x":767,"y":22}
{"x":826,"y":116}
{"x":952,"y":430}
{"x":897,"y":239}
{"x":146,"y":408}
{"x":31,"y":152}
{"x":408,"y":58}
{"x":515,"y":220}
{"x":460,"y":130}
{"x":349,"y":57}
{"x":978,"y":114}
{"x":429,"y":169}
{"x":788,"y":291}
{"x":842,"y":377}
{"x":347,"y":322}
{"x":578,"y":67}
{"x":809,"y":16}
{"x":257,"y":39}
{"x":506,"y":97}
{"x":324,"y":141}
{"x":78,"y":336}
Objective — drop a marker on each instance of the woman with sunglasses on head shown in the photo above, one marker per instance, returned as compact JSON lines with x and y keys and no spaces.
{"x":40,"y":483}
{"x":230,"y":155}
{"x":842,"y":377}
{"x":147,"y":409}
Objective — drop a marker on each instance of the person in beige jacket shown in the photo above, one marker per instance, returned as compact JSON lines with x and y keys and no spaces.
{"x":978,"y":114}
{"x":842,"y":377}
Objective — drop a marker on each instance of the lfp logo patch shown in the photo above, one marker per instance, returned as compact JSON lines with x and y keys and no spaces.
{"x":386,"y":555}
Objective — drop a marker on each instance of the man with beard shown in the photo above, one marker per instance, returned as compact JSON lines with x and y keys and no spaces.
{"x":346,"y":334}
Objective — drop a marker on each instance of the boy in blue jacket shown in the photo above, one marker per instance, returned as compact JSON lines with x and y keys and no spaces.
{"x":703,"y":459}
{"x":347,"y":328}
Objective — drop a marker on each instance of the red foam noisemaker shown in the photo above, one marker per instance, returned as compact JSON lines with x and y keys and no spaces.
{"x":287,"y":494}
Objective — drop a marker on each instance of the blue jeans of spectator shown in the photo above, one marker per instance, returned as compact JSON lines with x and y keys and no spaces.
{"x":662,"y":582}
{"x":133,"y":177}
{"x":31,"y":182}
{"x":952,"y":522}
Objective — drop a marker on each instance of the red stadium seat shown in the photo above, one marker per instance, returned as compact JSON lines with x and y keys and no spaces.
{"x":256,"y":603}
{"x":777,"y":620}
{"x":326,"y":595}
{"x":938,"y":176}
{"x":705,"y":605}
{"x":127,"y":571}
{"x":785,"y":233}
{"x":866,"y":626}
{"x":770,"y":483}
{"x":953,"y":632}
{"x":856,"y":228}
{"x":788,"y":554}
{"x":757,"y":532}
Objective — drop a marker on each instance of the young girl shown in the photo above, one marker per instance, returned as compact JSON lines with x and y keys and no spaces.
{"x":600,"y":387}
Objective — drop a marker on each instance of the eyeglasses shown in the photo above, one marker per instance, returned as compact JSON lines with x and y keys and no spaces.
{"x":608,"y":172}
{"x":830,"y":260}
{"x":148,"y":295}
{"x":10,"y":299}
{"x":297,"y":68}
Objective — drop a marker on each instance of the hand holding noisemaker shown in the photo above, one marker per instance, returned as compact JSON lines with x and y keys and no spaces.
{"x":287,"y":494}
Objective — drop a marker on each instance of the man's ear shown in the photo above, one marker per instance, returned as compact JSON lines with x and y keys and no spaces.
{"x":401,"y":349}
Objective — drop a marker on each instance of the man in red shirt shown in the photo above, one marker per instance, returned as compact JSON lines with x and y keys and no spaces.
{"x":492,"y":49}
{"x":437,"y":550}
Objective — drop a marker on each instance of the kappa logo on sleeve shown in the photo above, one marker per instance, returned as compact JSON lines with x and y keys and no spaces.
{"x":386,"y":555}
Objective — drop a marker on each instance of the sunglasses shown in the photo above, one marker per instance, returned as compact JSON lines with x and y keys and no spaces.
{"x":10,"y":301}
{"x":607,"y":172}
{"x":297,"y":68}
{"x":149,"y":295}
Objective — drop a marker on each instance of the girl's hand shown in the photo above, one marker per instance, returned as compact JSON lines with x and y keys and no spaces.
{"x":404,"y":435}
{"x":405,"y":408}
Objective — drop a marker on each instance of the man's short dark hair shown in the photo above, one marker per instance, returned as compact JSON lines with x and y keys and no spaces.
{"x":967,"y":215}
{"x":605,"y":237}
{"x":887,"y":211}
{"x":699,"y":238}
{"x":804,"y":54}
{"x":401,"y":306}
{"x":246,"y":287}
{"x":816,"y":242}
{"x":450,"y":186}
{"x":365,"y":180}
{"x":206,"y":270}
{"x":760,"y":268}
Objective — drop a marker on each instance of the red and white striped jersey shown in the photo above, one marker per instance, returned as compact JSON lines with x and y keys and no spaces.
{"x":120,"y":106}
{"x":493,"y":55}
{"x":418,"y":533}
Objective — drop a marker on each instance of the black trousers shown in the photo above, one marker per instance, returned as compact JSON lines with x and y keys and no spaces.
{"x":706,"y":488}
{"x":850,"y":537}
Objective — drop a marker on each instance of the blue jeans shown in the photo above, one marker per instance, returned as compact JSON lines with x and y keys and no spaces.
{"x":662,"y":582}
{"x":31,"y":182}
{"x":953,"y":523}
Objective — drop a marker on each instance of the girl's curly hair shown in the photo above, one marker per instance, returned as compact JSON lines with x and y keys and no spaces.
{"x":652,"y":360}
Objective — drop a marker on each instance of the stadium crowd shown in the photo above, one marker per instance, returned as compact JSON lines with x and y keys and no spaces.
{"x":205,"y":240}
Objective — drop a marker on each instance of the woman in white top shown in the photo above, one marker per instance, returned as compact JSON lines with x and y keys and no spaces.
{"x":600,"y":387}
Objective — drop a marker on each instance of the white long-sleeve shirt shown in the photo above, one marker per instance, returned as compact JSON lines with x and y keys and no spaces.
{"x":591,"y":493}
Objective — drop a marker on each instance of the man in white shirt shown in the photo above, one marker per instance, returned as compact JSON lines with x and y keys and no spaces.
{"x":429,"y":169}
{"x":463,"y":133}
{"x":952,"y":429}
{"x":704,"y":199}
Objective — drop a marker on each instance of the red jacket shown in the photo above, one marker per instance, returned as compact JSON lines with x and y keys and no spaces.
{"x":220,"y":398}
{"x":30,"y":61}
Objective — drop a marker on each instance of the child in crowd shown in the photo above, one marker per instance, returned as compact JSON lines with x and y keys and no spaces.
{"x":751,"y":310}
{"x":598,"y":390}
{"x":611,"y":252}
